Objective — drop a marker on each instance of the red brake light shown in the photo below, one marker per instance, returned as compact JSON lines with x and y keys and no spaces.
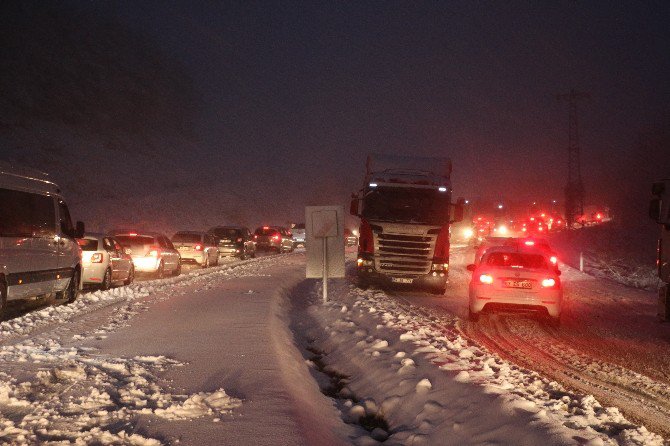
{"x":486,"y":278}
{"x":548,"y":283}
{"x":133,"y":234}
{"x":553,"y":259}
{"x":275,"y":237}
{"x":198,"y":247}
{"x":529,"y":243}
{"x":97,"y":257}
{"x":366,"y":239}
{"x":266,"y":227}
{"x":239,"y":240}
{"x":153,"y":251}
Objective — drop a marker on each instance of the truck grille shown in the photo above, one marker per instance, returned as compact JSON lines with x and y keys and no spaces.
{"x":400,"y":254}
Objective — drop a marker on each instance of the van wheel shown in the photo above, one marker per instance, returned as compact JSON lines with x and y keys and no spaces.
{"x":70,"y":293}
{"x":3,"y":298}
{"x":178,"y":270}
{"x":107,"y":280}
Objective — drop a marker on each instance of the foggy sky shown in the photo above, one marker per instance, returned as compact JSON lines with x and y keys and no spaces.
{"x":296,"y":94}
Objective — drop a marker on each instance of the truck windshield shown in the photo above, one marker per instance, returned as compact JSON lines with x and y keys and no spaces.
{"x":407,"y":205}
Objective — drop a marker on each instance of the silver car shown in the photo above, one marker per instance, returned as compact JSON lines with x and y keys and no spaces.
{"x":298,"y":235}
{"x":151,"y":252}
{"x":105,"y":262}
{"x":274,"y":238}
{"x":196,"y":247}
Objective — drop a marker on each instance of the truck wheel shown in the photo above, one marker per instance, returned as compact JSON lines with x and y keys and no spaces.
{"x":3,"y":298}
{"x":555,"y":321}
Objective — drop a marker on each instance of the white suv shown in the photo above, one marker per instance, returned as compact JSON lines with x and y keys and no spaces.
{"x":39,"y":254}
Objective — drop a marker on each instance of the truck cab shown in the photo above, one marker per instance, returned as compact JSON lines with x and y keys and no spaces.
{"x":405,"y":210}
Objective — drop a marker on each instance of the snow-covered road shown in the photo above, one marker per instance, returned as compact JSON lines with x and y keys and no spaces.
{"x":246,"y":353}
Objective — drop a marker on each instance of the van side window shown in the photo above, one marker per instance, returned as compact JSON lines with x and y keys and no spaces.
{"x":25,"y":214}
{"x":66,"y":227}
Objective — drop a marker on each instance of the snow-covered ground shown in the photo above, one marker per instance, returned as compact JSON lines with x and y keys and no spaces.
{"x":246,"y":353}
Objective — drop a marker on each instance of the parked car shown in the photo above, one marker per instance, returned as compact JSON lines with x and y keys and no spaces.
{"x":39,"y":254}
{"x":298,"y":235}
{"x":105,"y":262}
{"x":196,"y":247}
{"x":274,"y":238}
{"x":151,"y":253}
{"x":234,"y":241}
{"x":514,"y":278}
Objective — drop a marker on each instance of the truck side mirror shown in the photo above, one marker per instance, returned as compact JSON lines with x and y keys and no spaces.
{"x":353,"y":206}
{"x":655,"y":210}
{"x":79,"y":230}
{"x":459,"y":210}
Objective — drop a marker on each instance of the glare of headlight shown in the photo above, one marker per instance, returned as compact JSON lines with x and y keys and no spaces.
{"x":502,"y":229}
{"x":468,"y":232}
{"x":355,"y":232}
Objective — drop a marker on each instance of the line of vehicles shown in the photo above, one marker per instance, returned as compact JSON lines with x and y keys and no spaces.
{"x":405,"y":213}
{"x":43,"y":254}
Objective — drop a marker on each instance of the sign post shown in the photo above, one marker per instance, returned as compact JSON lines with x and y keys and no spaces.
{"x":324,"y":230}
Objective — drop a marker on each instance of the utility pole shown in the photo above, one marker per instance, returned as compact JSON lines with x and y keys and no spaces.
{"x":574,"y":190}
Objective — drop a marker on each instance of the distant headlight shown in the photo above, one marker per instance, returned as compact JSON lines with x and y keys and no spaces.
{"x":468,"y":232}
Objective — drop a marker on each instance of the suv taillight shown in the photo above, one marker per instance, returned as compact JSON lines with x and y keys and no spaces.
{"x":275,"y":237}
{"x":198,"y":247}
{"x":366,"y":244}
{"x":153,"y":251}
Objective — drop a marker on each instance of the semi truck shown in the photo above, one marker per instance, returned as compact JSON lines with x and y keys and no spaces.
{"x":405,"y":213}
{"x":659,"y":211}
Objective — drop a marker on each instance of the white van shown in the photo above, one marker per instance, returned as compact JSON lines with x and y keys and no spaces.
{"x":39,"y":254}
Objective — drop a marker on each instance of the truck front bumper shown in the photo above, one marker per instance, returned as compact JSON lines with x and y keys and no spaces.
{"x":425,"y":281}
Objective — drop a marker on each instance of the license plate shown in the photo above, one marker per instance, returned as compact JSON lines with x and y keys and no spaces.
{"x":401,"y":280}
{"x":225,"y":240}
{"x":525,"y":284}
{"x":183,"y":247}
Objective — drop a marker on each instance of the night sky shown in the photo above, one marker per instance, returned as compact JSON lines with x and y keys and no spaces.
{"x":292,"y":96}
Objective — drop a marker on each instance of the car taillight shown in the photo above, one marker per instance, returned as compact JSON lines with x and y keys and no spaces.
{"x":275,"y":237}
{"x":239,"y":240}
{"x":441,"y":254}
{"x":486,"y":278}
{"x":529,"y":243}
{"x":97,"y":257}
{"x":549,"y":283}
{"x":366,"y":240}
{"x":153,"y":251}
{"x":198,"y":247}
{"x":553,"y":260}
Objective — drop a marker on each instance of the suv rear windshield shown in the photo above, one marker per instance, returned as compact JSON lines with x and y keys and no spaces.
{"x":187,"y":238}
{"x":230,"y":233}
{"x":135,"y":242}
{"x":266,"y":231}
{"x":88,"y":244}
{"x":516,"y":260}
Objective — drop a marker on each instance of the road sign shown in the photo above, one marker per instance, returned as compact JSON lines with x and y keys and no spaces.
{"x":324,"y":231}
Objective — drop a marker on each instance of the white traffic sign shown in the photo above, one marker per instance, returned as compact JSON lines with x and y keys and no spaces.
{"x":324,"y":231}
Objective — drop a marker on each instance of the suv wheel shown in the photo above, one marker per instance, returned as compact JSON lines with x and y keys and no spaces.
{"x":160,"y":272}
{"x":178,"y":270}
{"x":131,"y":276}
